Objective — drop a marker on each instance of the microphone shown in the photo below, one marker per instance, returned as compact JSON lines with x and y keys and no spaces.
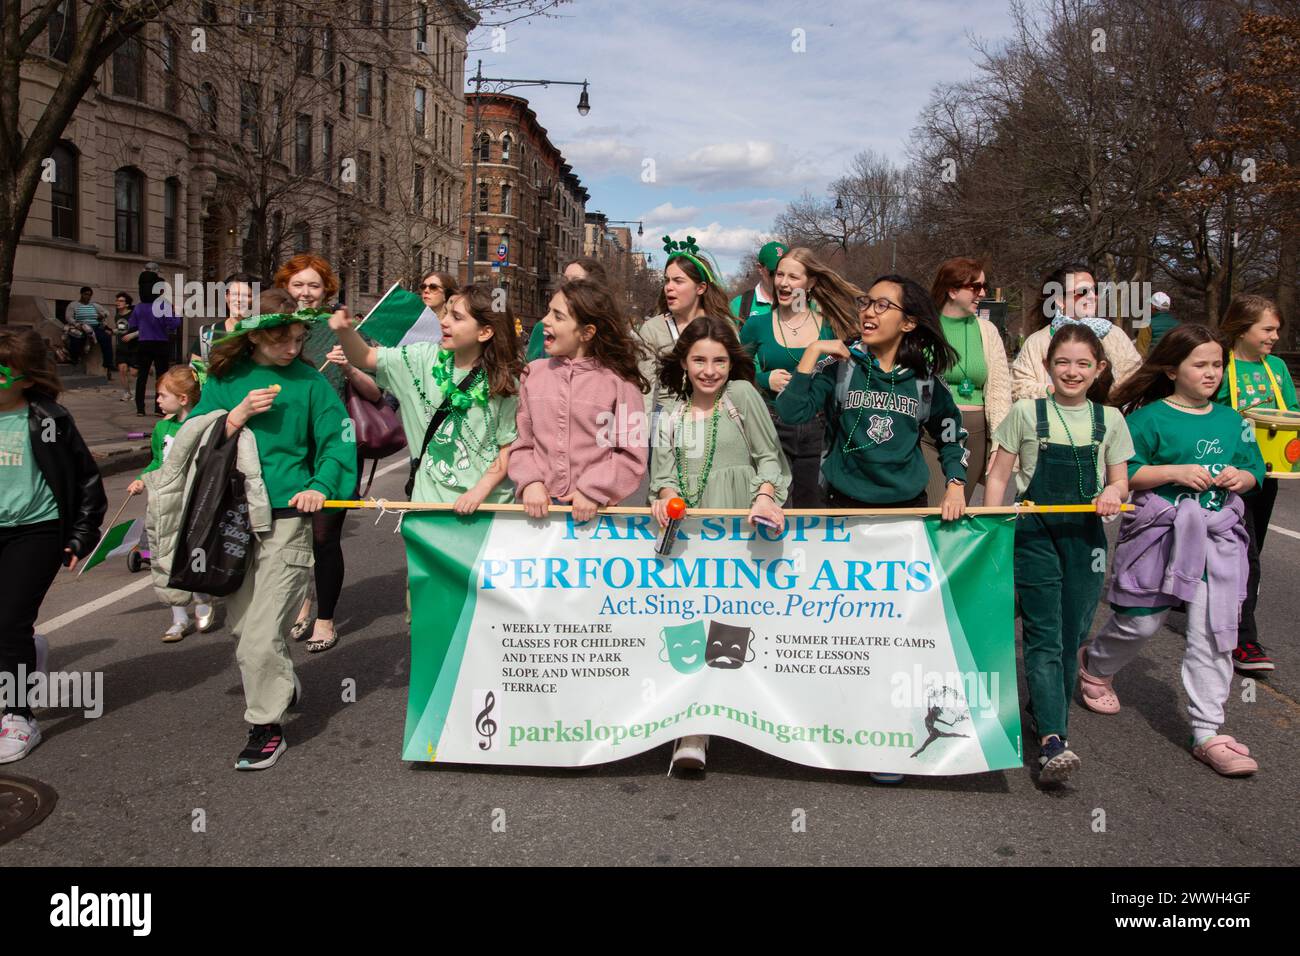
{"x":676,"y":512}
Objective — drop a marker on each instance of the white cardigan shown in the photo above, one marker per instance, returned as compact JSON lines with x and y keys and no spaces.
{"x":1029,"y":374}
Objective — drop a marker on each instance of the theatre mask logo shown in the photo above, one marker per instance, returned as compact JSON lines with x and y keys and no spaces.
{"x":683,"y":646}
{"x":729,"y":646}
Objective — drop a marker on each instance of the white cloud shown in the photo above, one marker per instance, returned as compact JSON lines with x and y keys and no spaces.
{"x":666,"y":214}
{"x":593,"y":157}
{"x":724,"y":242}
{"x":756,"y":208}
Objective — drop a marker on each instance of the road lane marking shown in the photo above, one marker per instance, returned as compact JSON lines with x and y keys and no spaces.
{"x":1286,"y":531}
{"x":96,"y":605}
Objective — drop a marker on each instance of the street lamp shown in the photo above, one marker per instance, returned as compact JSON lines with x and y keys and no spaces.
{"x":640,"y":226}
{"x":499,"y":85}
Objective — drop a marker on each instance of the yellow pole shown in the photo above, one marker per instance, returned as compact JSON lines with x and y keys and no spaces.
{"x":836,"y":512}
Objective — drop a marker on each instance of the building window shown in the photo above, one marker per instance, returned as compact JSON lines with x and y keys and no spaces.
{"x":250,"y":108}
{"x":383,"y":182}
{"x":128,"y":200}
{"x":169,"y":71}
{"x":363,"y":276}
{"x":305,"y":53}
{"x":367,"y":12}
{"x":301,"y":237}
{"x":363,"y":172}
{"x":343,"y":89}
{"x":327,"y":151}
{"x":484,"y":148}
{"x":422,"y":23}
{"x":383,"y":96}
{"x":62,"y":30}
{"x":327,"y":52}
{"x":505,"y":200}
{"x":363,"y":89}
{"x":417,"y":191}
{"x":277,"y":128}
{"x":208,"y":105}
{"x":482,"y":197}
{"x":327,"y":244}
{"x":171,"y":217}
{"x":481,"y":254}
{"x":379,"y":272}
{"x":420,"y":97}
{"x":63,"y":192}
{"x":302,"y":144}
{"x":128,"y":70}
{"x":505,"y":148}
{"x":208,"y":12}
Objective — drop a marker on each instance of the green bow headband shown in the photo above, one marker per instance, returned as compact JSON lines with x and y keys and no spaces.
{"x":689,"y":250}
{"x":271,"y":320}
{"x":9,"y":377}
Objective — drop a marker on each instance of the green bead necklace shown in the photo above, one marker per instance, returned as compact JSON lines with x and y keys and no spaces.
{"x":462,"y":399}
{"x":849,"y":447}
{"x":1092,"y":449}
{"x":693,"y":498}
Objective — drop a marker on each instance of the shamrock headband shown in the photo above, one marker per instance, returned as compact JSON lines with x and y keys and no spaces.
{"x":688,"y":250}
{"x":272,"y":320}
{"x":9,"y":376}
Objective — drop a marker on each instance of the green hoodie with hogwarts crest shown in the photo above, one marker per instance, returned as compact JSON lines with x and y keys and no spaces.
{"x":874,"y":422}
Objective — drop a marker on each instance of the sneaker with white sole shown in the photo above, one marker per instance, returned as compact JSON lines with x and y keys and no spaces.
{"x":265,"y":744}
{"x":1056,"y":761}
{"x":18,"y":735}
{"x":688,"y":754}
{"x":177,"y":632}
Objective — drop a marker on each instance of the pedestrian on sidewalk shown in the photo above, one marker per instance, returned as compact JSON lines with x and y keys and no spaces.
{"x":124,"y":341}
{"x":153,"y":318}
{"x":51,"y":506}
{"x":240,"y":289}
{"x":94,"y":317}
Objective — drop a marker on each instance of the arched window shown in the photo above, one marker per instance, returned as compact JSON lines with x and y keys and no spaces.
{"x":208,"y":105}
{"x":505,"y":200}
{"x":484,"y":148}
{"x":506,"y":140}
{"x":301,"y":237}
{"x":63,"y":192}
{"x":128,"y":202}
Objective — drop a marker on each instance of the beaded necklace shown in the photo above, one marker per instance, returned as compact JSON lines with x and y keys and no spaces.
{"x":780,"y":328}
{"x":1190,"y":408}
{"x":1092,"y":449}
{"x":893,"y":381}
{"x":693,"y":498}
{"x":461,"y":399}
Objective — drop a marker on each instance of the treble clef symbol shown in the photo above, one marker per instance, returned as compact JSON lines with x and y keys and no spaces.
{"x":485,"y":725}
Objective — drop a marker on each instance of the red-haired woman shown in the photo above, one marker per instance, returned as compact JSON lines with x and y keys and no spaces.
{"x":310,"y":280}
{"x":980,"y":380}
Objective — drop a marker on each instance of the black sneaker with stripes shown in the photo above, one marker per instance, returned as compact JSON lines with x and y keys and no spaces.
{"x":265,"y":744}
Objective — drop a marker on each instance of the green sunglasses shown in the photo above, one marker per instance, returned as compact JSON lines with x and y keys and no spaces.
{"x":7,"y":376}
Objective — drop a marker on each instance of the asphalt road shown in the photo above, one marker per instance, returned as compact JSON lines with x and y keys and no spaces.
{"x":131,"y":781}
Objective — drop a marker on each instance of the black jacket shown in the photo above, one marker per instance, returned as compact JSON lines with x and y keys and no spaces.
{"x":70,"y":471}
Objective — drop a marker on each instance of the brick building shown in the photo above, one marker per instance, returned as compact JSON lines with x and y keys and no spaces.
{"x":526,"y":197}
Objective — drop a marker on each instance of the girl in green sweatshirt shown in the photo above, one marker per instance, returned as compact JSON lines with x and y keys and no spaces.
{"x":308,"y":455}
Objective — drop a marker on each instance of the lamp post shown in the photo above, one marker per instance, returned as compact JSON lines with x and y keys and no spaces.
{"x":499,"y":85}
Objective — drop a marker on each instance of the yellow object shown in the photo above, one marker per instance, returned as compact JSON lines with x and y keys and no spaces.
{"x":275,"y":387}
{"x":1278,"y":433}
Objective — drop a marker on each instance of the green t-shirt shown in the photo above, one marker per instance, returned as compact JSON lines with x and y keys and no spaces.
{"x":161,"y":442}
{"x":757,"y":307}
{"x":305,"y":440}
{"x":759,"y":339}
{"x":25,"y":496}
{"x":1018,"y":434}
{"x":1164,"y":435}
{"x":964,"y":335}
{"x":536,"y":343}
{"x":464,"y":445}
{"x":1253,"y":387}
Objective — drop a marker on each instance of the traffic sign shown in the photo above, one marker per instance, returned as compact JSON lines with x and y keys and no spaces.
{"x":502,"y":252}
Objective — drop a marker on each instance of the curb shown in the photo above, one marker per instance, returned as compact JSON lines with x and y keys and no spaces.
{"x":119,"y":460}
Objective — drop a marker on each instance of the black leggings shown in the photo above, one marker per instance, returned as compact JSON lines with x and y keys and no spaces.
{"x":30,"y":555}
{"x":1259,"y":511}
{"x":327,"y":546}
{"x":157,"y":354}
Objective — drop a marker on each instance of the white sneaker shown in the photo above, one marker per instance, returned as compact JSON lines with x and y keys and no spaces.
{"x":18,"y":735}
{"x":177,"y":632}
{"x":205,"y":620}
{"x":689,"y":753}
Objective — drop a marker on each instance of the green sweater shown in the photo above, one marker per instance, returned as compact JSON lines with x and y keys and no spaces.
{"x":874,"y":442}
{"x":769,"y":355}
{"x":305,"y":439}
{"x":161,"y":442}
{"x":964,"y":335}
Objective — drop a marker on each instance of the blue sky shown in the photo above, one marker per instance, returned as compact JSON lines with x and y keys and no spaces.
{"x":735,"y":121}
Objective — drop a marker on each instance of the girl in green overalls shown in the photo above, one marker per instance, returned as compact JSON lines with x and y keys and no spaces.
{"x":1065,"y":444}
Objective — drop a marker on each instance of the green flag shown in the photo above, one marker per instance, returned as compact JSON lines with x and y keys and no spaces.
{"x":399,"y":318}
{"x":120,"y":539}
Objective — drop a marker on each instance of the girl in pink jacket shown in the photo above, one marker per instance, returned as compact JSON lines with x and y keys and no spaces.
{"x":583,"y":436}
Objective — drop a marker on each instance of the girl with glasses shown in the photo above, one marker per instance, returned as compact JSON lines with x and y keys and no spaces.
{"x":1069,"y":295}
{"x":980,"y":379}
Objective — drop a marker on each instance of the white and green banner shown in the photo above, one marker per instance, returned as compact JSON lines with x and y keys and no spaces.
{"x":857,"y":643}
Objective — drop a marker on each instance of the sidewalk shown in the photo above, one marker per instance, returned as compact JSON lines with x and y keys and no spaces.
{"x":107,"y":423}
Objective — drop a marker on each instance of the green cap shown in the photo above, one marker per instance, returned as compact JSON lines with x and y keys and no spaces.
{"x":771,"y":254}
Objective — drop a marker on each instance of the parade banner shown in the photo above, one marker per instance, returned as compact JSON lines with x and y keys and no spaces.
{"x":848,"y":642}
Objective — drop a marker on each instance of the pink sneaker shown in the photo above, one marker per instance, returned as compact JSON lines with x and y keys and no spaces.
{"x":1098,"y":696}
{"x":1225,"y":756}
